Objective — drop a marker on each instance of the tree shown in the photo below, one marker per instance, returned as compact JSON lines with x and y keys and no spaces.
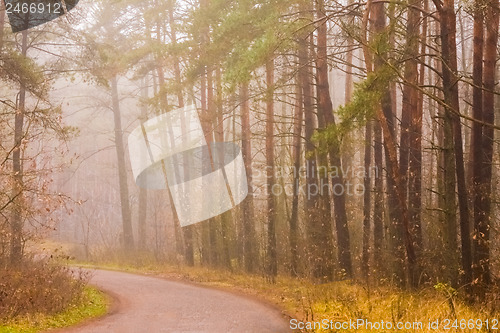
{"x":325,"y":108}
{"x":294,"y":216}
{"x":247,"y":218}
{"x":483,"y":137}
{"x":450,"y":91}
{"x":396,"y":201}
{"x":128,"y":237}
{"x":16,"y":242}
{"x":104,"y":64}
{"x":272,"y":265}
{"x":367,"y":183}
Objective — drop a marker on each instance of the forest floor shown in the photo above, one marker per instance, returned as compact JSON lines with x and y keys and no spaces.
{"x":345,"y":306}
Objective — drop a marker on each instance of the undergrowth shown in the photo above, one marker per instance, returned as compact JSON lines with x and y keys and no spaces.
{"x":38,"y":294}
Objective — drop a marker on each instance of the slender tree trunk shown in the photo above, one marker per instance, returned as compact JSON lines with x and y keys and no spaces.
{"x":16,"y":223}
{"x":161,"y":75}
{"x":326,"y":109}
{"x":411,"y":128}
{"x":128,"y":237}
{"x":249,"y":237}
{"x":312,"y":228}
{"x":365,"y":260}
{"x":349,"y":70}
{"x":415,"y":168}
{"x":297,"y":142}
{"x":324,"y":268}
{"x":272,"y":259}
{"x":477,"y":156}
{"x":159,"y":89}
{"x":143,"y":193}
{"x":396,"y":199}
{"x":482,"y":212}
{"x":447,"y":252}
{"x":450,"y":89}
{"x":378,"y":204}
{"x":206,"y":225}
{"x":205,"y":123}
{"x":184,"y":237}
{"x":212,"y":222}
{"x":173,"y":38}
{"x":227,"y":217}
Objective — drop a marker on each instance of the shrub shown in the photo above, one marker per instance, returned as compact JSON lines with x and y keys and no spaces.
{"x":39,"y":286}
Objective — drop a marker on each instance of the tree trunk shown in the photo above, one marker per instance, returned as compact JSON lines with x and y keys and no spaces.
{"x":450,"y":90}
{"x":378,"y":204}
{"x":128,"y":237}
{"x":143,"y":193}
{"x":226,"y":217}
{"x":411,"y":155}
{"x":477,"y":156}
{"x":312,"y":228}
{"x":365,"y":260}
{"x":16,"y":233}
{"x":249,"y":237}
{"x":325,"y":109}
{"x":177,"y":70}
{"x":210,"y":119}
{"x":272,"y":263}
{"x":396,"y":199}
{"x":297,"y":142}
{"x":205,"y":124}
{"x":161,"y":75}
{"x":482,"y":212}
{"x":415,"y":168}
{"x":185,"y":240}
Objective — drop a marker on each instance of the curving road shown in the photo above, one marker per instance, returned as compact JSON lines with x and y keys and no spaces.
{"x":154,"y":305}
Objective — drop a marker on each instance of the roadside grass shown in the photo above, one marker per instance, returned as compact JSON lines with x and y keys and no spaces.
{"x":341,"y":302}
{"x":93,"y":304}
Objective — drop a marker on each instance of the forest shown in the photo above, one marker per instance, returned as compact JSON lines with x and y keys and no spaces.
{"x":368,"y":133}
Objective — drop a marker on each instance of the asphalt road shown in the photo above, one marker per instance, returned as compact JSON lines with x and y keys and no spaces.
{"x":152,"y":305}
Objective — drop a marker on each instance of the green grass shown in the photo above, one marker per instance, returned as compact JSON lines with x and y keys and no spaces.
{"x":93,"y":304}
{"x":336,"y":301}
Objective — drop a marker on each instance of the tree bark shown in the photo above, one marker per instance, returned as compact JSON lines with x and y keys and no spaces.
{"x":312,"y":228}
{"x":477,"y":156}
{"x":16,"y":223}
{"x":325,"y":109}
{"x":173,"y":38}
{"x":247,"y":209}
{"x":411,"y":156}
{"x":297,"y":143}
{"x":272,"y":259}
{"x":398,"y":213}
{"x":482,"y":212}
{"x":450,"y":91}
{"x":143,"y":193}
{"x":378,"y":203}
{"x":365,"y":260}
{"x":128,"y":237}
{"x":226,"y":217}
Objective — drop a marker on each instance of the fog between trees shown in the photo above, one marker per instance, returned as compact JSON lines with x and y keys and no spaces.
{"x":369,"y":133}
